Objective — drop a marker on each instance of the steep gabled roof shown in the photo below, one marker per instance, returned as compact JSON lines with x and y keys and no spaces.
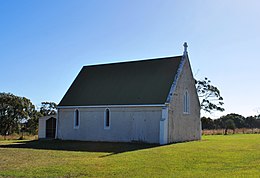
{"x":127,"y":83}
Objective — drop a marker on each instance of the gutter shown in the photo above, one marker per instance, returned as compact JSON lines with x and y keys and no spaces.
{"x":113,"y":106}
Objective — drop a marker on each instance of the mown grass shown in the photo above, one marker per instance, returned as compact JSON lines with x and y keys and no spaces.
{"x":214,"y":156}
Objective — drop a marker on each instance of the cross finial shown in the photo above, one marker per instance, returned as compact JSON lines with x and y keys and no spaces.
{"x":185,"y":45}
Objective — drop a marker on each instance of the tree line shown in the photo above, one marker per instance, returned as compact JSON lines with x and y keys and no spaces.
{"x":212,"y":101}
{"x":231,"y":121}
{"x":18,"y":114}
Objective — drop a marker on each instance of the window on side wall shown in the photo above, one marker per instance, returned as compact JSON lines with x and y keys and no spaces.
{"x":186,"y":102}
{"x":107,"y":119}
{"x":76,"y":119}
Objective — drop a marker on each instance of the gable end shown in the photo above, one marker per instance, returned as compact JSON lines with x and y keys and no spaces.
{"x":176,"y":78}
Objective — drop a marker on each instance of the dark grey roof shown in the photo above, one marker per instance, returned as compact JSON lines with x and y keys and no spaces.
{"x":126,"y":83}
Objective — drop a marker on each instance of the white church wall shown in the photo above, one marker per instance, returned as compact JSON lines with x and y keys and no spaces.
{"x":126,"y":124}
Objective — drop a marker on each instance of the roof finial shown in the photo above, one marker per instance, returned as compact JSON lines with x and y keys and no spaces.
{"x":185,"y":47}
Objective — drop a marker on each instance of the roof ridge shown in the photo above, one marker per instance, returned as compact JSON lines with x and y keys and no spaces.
{"x":133,"y":61}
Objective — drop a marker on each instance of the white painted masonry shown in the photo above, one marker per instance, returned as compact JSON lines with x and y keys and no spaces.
{"x":141,"y":124}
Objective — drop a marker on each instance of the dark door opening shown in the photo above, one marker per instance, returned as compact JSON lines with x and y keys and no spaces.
{"x":51,"y":128}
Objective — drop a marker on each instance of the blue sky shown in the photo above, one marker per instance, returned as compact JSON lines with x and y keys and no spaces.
{"x":44,"y":44}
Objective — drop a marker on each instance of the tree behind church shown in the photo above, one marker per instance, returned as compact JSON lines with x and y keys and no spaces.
{"x":14,"y":110}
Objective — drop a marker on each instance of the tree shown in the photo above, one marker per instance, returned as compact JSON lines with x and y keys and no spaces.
{"x":218,"y":124}
{"x":258,"y":121}
{"x":13,"y":111}
{"x":32,"y":124}
{"x":230,"y":124}
{"x":250,"y":122}
{"x":48,"y":108}
{"x":239,"y":120}
{"x":211,"y":100}
{"x":207,"y":123}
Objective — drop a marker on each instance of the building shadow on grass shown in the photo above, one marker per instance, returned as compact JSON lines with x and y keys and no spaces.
{"x":110,"y":148}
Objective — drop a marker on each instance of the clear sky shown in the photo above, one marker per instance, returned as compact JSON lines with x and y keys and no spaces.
{"x":44,"y":44}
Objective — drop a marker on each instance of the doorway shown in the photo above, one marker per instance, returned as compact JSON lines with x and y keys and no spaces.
{"x":51,"y":127}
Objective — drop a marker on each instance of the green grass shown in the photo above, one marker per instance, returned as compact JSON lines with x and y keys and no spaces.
{"x":214,"y":156}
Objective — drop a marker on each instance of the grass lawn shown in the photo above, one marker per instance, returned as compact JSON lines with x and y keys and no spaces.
{"x":214,"y":156}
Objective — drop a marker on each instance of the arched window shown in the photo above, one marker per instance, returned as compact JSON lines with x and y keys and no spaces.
{"x":186,"y":102}
{"x":76,"y":119}
{"x":107,"y":119}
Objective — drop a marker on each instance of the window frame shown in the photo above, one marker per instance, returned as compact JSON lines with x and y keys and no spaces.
{"x":186,"y":102}
{"x":76,"y":117}
{"x":107,"y":116}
